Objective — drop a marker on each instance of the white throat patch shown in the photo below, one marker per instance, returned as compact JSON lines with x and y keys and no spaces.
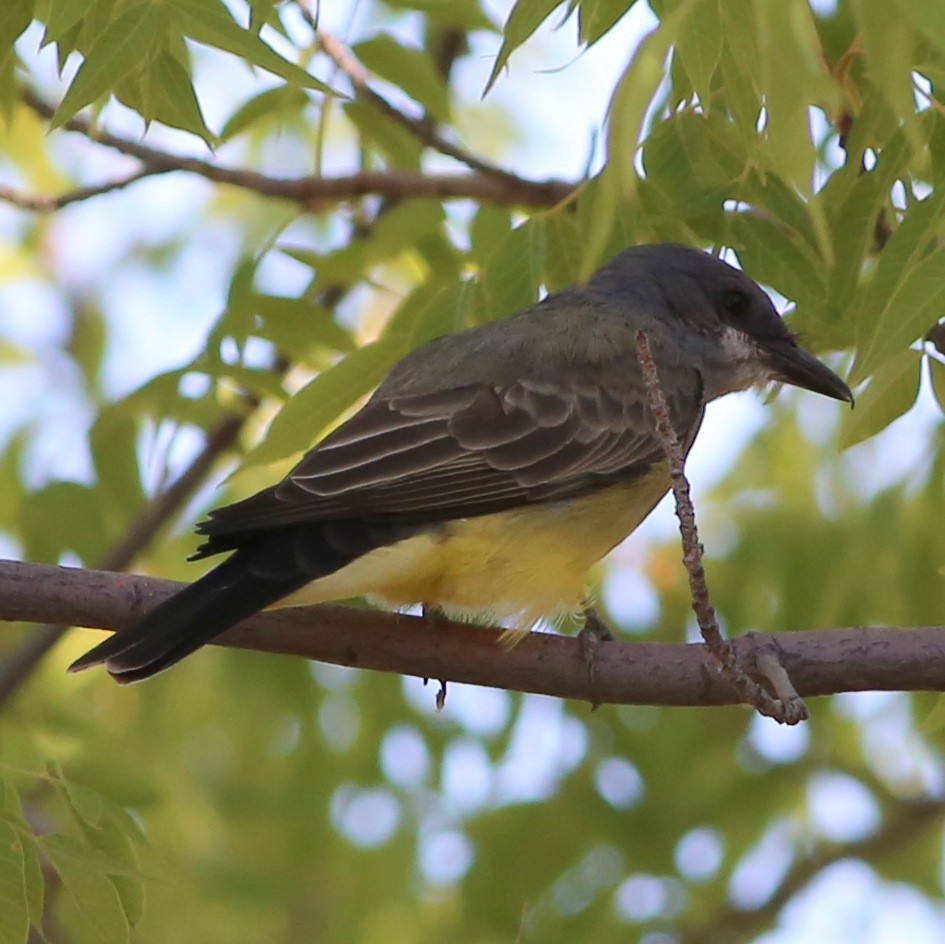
{"x":742,"y":355}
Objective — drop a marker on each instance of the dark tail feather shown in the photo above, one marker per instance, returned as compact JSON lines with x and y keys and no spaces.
{"x":259,"y":573}
{"x":178,"y":626}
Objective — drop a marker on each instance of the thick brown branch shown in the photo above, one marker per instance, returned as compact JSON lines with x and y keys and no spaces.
{"x":310,"y":191}
{"x":17,"y":665}
{"x":819,"y":662}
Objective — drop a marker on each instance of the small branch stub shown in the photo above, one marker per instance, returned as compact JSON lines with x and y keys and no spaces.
{"x":787,"y":707}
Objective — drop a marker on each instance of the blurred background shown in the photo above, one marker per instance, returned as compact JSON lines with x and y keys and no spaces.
{"x":250,"y":797}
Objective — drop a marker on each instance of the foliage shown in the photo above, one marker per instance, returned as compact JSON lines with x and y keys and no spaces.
{"x":248,"y":797}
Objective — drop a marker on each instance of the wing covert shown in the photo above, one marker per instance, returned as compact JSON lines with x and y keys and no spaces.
{"x":429,"y":457}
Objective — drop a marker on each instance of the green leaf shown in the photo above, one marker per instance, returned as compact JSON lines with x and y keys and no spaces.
{"x":63,"y":15}
{"x":112,"y":832}
{"x":209,"y":22}
{"x":84,"y":873}
{"x":87,"y":344}
{"x":525,"y":17}
{"x":35,"y":882}
{"x":512,"y":273}
{"x":889,"y":56}
{"x":596,"y":18}
{"x":489,"y":226}
{"x":14,"y":905}
{"x":565,"y":243}
{"x":62,"y":516}
{"x":914,"y":306}
{"x":308,"y":414}
{"x":700,"y":45}
{"x":853,"y":217}
{"x":393,"y":234}
{"x":693,"y":160}
{"x":741,"y":96}
{"x":401,"y":227}
{"x":15,"y":16}
{"x":891,"y":392}
{"x":113,"y":443}
{"x":126,"y":43}
{"x":390,"y":139}
{"x":779,"y":257}
{"x":86,"y":804}
{"x":928,"y":18}
{"x":794,"y":76}
{"x":769,"y":193}
{"x":411,"y":70}
{"x":919,"y":227}
{"x":634,"y":94}
{"x":298,"y":325}
{"x":172,"y":98}
{"x":265,"y":106}
{"x":740,"y":32}
{"x":628,"y":106}
{"x":935,"y":720}
{"x":12,"y":488}
{"x":8,"y":87}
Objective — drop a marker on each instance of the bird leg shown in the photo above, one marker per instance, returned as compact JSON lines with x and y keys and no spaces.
{"x":435,"y":617}
{"x":592,"y":634}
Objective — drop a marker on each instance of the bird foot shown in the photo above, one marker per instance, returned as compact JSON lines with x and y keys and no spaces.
{"x":434,"y":616}
{"x":436,"y":619}
{"x":592,"y":634}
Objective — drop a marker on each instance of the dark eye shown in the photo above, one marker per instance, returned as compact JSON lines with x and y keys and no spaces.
{"x":736,"y":303}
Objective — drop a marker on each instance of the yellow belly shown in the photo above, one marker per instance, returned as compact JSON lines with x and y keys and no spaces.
{"x":517,"y":565}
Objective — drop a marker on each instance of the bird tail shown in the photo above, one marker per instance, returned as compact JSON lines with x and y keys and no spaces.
{"x":235,"y":589}
{"x":264,"y":568}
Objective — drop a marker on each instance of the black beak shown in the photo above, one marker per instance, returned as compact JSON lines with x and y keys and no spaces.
{"x":792,"y":364}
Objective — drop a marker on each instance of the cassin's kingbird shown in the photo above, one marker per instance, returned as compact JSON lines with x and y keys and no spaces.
{"x":492,"y":468}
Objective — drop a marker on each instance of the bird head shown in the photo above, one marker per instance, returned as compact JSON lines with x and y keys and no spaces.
{"x":732,"y":329}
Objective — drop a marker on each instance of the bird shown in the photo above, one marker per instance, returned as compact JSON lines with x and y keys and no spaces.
{"x":493,"y":467}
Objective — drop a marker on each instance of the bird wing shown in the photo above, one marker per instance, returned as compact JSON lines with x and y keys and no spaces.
{"x":427,"y":457}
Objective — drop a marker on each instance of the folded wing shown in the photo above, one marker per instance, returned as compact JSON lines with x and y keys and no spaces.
{"x":422,"y":458}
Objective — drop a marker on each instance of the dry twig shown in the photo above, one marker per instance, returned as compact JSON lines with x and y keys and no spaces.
{"x":788,"y":707}
{"x":311,"y":192}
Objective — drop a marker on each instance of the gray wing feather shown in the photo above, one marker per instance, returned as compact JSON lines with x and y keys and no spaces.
{"x":429,"y":457}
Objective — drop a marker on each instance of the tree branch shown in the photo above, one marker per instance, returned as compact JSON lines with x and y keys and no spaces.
{"x":422,"y":130}
{"x":820,"y":662}
{"x":17,"y":665}
{"x":311,"y":191}
{"x":914,"y":819}
{"x":44,"y":204}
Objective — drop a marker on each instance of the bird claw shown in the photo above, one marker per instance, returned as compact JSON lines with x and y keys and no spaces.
{"x":434,"y":616}
{"x":592,"y":634}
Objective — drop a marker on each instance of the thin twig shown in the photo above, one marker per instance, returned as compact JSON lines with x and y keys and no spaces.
{"x":788,"y":712}
{"x":342,"y":57}
{"x":313,"y":191}
{"x":46,"y":204}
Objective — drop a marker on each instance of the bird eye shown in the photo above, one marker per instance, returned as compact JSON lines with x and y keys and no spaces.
{"x":736,"y":303}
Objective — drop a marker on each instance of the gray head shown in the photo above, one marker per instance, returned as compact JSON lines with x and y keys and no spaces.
{"x":728,"y":314}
